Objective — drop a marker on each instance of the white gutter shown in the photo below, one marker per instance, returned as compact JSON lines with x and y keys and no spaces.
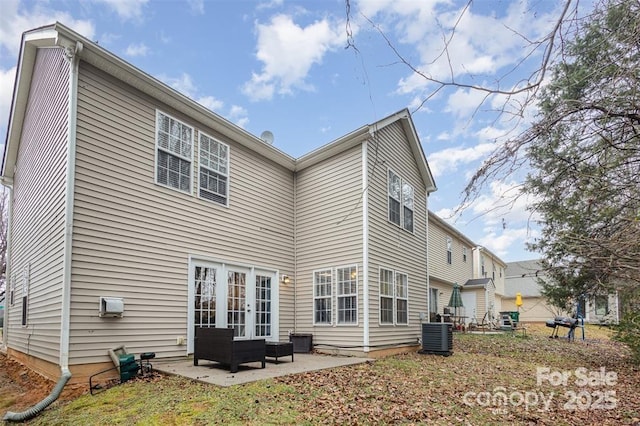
{"x":365,"y":246}
{"x":7,"y":275}
{"x":74,"y":58}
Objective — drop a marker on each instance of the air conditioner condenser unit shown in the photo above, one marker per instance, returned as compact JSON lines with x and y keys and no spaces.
{"x":437,"y":338}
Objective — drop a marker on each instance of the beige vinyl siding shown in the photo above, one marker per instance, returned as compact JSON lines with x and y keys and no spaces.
{"x":38,"y":210}
{"x":533,"y":309}
{"x":329,"y":235}
{"x":133,"y":238}
{"x":456,"y":272}
{"x":390,"y":246}
{"x":444,"y":293}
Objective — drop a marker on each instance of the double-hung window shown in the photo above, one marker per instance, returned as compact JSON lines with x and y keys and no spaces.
{"x":394,"y":297}
{"x":322,"y":297}
{"x":407,"y":206}
{"x":449,"y":250}
{"x":386,"y":296}
{"x":214,"y":170}
{"x":347,"y":295}
{"x":464,"y":254}
{"x":345,"y":280}
{"x":174,"y":146}
{"x":394,"y":184}
{"x":402,"y":299}
{"x":401,"y":201}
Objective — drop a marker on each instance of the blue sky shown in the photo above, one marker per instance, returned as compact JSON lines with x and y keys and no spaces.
{"x":284,"y":66}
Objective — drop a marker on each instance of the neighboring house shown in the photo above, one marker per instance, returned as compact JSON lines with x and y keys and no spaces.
{"x":455,"y":259}
{"x":126,"y":196}
{"x":522,"y":277}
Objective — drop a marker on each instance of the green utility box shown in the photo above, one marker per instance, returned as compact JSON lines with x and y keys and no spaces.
{"x":128,"y":367}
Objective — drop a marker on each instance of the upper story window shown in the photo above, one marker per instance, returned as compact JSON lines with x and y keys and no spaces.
{"x":464,"y":254}
{"x":449,"y":250}
{"x":174,"y":146}
{"x":401,"y":201}
{"x":483,"y":273}
{"x":214,"y":170}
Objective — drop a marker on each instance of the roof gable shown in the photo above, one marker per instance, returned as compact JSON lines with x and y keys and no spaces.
{"x":479,"y":283}
{"x":58,"y":35}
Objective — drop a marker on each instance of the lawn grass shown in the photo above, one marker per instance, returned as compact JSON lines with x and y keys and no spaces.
{"x":406,"y":388}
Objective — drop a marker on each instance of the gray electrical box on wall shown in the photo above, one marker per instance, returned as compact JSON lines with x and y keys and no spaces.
{"x":111,"y":307}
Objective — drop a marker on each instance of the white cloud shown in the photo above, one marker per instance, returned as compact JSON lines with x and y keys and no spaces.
{"x":126,"y":9}
{"x":196,"y":6}
{"x":448,"y":160}
{"x":464,"y":102}
{"x":137,"y":49}
{"x":484,"y":42}
{"x":108,"y":38}
{"x":210,"y":102}
{"x":287,"y":52}
{"x":503,"y":243}
{"x":185,"y":85}
{"x":238,"y":115}
{"x":13,"y":23}
{"x":444,"y":136}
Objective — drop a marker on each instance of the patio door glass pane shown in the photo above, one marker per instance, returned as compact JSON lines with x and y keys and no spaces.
{"x":263,"y":306}
{"x":237,"y":302}
{"x":205,"y":297}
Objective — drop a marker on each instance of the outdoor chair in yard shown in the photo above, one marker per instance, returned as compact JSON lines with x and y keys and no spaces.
{"x":218,"y":344}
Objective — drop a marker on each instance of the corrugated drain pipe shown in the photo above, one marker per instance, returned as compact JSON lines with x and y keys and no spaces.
{"x":36,"y":409}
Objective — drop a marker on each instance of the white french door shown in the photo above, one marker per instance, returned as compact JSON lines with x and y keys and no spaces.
{"x":239,"y":305}
{"x":229,"y":296}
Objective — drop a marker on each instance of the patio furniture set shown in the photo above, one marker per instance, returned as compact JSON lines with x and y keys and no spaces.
{"x":218,"y":344}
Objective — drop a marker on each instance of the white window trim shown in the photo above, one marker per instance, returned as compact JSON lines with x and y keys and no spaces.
{"x":381,"y":296}
{"x":397,"y":297}
{"x":464,"y":254}
{"x":394,"y":298}
{"x":223,"y":266}
{"x":228,"y":175}
{"x":337,"y":296}
{"x":404,"y":182}
{"x":401,"y":201}
{"x":157,"y":147}
{"x":449,"y":251}
{"x":315,"y":297}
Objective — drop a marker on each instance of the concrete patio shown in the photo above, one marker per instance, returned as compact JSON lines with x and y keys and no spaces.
{"x":217,"y":374}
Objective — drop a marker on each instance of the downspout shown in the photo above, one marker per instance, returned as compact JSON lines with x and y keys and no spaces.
{"x":73,"y":56}
{"x":365,"y":247}
{"x":427,"y":248}
{"x":295,"y":251}
{"x":7,"y":275}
